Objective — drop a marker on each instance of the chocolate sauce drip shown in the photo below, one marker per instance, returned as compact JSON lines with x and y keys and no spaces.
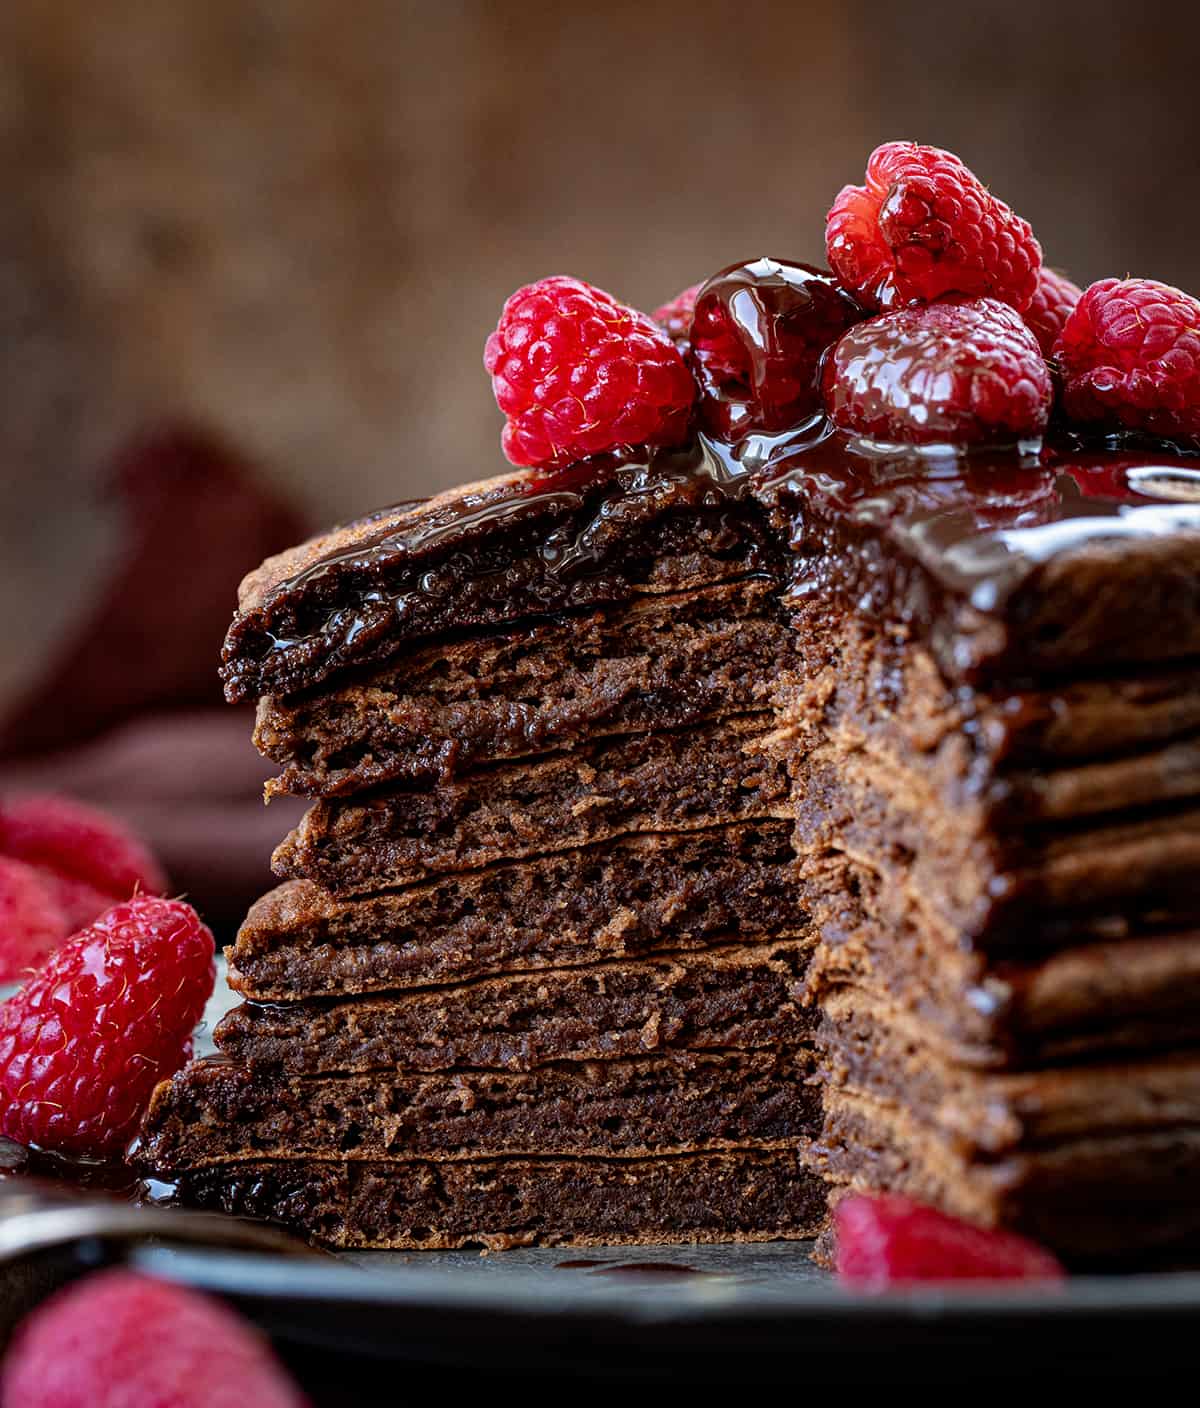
{"x":979,"y":523}
{"x":518,"y":548}
{"x":605,"y":492}
{"x":759,"y":334}
{"x":961,"y":516}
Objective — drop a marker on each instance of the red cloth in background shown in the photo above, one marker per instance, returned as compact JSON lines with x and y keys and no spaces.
{"x":129,"y":714}
{"x":194,"y":520}
{"x":190,"y":784}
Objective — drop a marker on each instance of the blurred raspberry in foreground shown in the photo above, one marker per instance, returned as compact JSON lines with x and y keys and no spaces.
{"x":122,"y":1340}
{"x":890,"y":1240}
{"x":88,"y":1037}
{"x":116,"y":701}
{"x":62,"y":864}
{"x":32,"y":922}
{"x":87,"y":859}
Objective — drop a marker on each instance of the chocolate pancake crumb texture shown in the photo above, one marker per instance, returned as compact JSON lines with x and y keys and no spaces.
{"x":735,"y":1196}
{"x":632,"y":897}
{"x":668,"y":781}
{"x":664,"y":662}
{"x":740,"y":996}
{"x":678,"y":1102}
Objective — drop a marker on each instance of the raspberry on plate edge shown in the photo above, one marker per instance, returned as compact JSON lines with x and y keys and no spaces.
{"x":888,"y":1240}
{"x":111,"y":1013}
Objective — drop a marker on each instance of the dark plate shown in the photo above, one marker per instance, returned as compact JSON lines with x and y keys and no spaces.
{"x":694,"y":1315}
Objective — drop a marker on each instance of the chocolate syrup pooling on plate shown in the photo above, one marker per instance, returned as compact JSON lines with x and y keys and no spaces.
{"x":109,"y":1176}
{"x":649,"y":1270}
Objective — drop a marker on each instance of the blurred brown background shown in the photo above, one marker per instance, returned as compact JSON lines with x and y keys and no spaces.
{"x":289,"y":224}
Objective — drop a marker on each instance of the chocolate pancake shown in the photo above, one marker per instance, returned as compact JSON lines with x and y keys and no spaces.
{"x":675,"y":1102}
{"x":643,"y":785}
{"x":488,"y":554}
{"x":670,"y":781}
{"x":1105,"y":1198}
{"x":746,"y":995}
{"x":1006,"y":563}
{"x":745,"y":1195}
{"x":663,"y":662}
{"x":620,"y":899}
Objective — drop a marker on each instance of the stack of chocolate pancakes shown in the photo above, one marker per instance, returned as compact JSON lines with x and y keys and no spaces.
{"x":694,"y":834}
{"x":535,"y":970}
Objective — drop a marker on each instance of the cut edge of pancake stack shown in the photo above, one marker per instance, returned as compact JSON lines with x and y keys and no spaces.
{"x":535,"y":971}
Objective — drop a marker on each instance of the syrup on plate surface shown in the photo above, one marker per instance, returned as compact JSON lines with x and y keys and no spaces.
{"x":664,"y":1270}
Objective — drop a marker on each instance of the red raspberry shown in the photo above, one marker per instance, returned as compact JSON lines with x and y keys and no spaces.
{"x":578,"y":373}
{"x":122,"y":1340}
{"x":32,"y":923}
{"x":889,"y":1240}
{"x":1130,"y":359}
{"x":1053,"y":300}
{"x":924,"y":225}
{"x":88,"y":1037}
{"x":87,"y":858}
{"x":758,"y":336}
{"x":675,"y":318}
{"x":959,"y":372}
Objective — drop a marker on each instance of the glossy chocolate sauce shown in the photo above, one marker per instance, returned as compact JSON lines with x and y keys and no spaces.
{"x":758,"y":339}
{"x":981,"y":522}
{"x":970,"y":518}
{"x":890,"y":533}
{"x":114,"y":1177}
{"x":519,"y":547}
